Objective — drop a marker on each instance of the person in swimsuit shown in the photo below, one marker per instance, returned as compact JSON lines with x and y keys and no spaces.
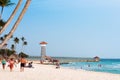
{"x":3,"y":63}
{"x":22,"y":64}
{"x":11,"y":64}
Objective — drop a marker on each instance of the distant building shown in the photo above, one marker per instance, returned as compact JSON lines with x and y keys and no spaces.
{"x":43,"y":50}
{"x":96,"y":58}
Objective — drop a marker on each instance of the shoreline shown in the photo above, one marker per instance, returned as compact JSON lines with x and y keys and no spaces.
{"x":92,"y":70}
{"x":49,"y":72}
{"x":82,"y":68}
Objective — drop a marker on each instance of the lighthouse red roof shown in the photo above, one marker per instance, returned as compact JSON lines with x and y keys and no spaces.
{"x":43,"y":42}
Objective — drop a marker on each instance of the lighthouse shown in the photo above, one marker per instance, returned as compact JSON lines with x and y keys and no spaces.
{"x":43,"y":50}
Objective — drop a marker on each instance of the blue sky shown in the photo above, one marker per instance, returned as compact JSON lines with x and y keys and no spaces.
{"x":77,"y":28}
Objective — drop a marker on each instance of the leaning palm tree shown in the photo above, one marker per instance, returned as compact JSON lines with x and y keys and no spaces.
{"x":4,"y":3}
{"x":4,"y":25}
{"x":16,"y":23}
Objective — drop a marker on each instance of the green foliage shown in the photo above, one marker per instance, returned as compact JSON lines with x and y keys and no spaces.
{"x":10,"y":52}
{"x":6,"y":52}
{"x":21,"y":54}
{"x":12,"y":49}
{"x":16,"y":40}
{"x":25,"y":43}
{"x":2,"y":23}
{"x":1,"y":38}
{"x":4,"y":3}
{"x":2,"y":51}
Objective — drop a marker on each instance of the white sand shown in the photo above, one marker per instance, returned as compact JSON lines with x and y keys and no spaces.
{"x":48,"y":72}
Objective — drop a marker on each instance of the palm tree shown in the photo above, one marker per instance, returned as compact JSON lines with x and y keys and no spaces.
{"x":23,"y":39}
{"x":5,"y":48}
{"x":16,"y":23}
{"x":1,"y":39}
{"x":25,"y":43}
{"x":12,"y":47}
{"x":10,"y":18}
{"x":4,"y":3}
{"x":16,"y":41}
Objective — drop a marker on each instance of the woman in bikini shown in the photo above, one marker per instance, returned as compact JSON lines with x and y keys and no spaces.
{"x":11,"y":64}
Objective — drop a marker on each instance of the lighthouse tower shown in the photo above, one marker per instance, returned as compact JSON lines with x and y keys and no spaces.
{"x":43,"y":50}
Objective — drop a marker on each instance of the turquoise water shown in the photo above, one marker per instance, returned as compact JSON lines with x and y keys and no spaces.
{"x":104,"y":65}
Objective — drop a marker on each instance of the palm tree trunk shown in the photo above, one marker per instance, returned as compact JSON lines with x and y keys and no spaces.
{"x":16,"y":23}
{"x":11,"y":17}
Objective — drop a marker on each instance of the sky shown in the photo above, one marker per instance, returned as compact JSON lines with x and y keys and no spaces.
{"x":72,"y":28}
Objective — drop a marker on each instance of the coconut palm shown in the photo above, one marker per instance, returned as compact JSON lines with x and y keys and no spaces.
{"x":25,"y":43}
{"x":16,"y":41}
{"x":13,"y":47}
{"x":5,"y":24}
{"x":5,"y":48}
{"x":16,"y":23}
{"x":23,"y":39}
{"x":1,"y":39}
{"x":4,"y":3}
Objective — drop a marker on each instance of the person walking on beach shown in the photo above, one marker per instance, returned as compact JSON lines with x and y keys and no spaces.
{"x":3,"y":63}
{"x":11,"y":64}
{"x":22,"y":64}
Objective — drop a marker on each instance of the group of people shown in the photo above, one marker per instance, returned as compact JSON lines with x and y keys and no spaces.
{"x":13,"y":62}
{"x":54,"y":61}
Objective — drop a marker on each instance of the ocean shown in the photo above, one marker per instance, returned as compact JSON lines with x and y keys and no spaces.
{"x":104,"y":65}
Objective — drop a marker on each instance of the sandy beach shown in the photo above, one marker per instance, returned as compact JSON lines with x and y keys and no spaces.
{"x":49,"y":72}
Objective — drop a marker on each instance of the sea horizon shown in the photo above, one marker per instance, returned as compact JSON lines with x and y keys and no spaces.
{"x":74,"y":57}
{"x":107,"y":65}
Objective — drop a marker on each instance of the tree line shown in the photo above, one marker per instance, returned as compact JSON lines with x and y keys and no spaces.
{"x":6,"y":52}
